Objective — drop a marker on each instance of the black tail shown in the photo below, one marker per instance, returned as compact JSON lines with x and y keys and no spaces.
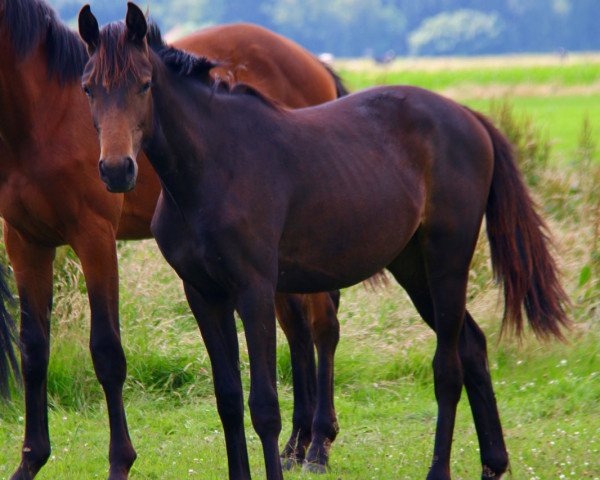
{"x":340,"y":89}
{"x":519,"y":242}
{"x":8,"y":338}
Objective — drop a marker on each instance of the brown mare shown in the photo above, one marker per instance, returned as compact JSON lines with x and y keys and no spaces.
{"x":257,"y":198}
{"x":50,"y":195}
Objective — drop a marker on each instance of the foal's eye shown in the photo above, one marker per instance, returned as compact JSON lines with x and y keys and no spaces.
{"x":145,"y":87}
{"x":87,"y":90}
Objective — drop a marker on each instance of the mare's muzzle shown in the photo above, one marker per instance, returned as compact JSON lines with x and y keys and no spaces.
{"x":118,"y":174}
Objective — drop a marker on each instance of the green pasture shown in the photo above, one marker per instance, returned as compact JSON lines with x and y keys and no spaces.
{"x":559,"y":117}
{"x":555,"y":93}
{"x":439,"y":75}
{"x":548,"y":393}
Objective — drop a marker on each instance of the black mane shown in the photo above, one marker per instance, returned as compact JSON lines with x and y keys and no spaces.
{"x":29,"y":22}
{"x":188,"y":65}
{"x":178,"y":61}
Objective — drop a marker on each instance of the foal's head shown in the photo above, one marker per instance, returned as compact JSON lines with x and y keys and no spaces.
{"x":117,"y":80}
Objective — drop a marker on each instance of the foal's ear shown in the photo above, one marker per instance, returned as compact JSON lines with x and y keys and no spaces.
{"x":137,"y":27}
{"x":88,"y":29}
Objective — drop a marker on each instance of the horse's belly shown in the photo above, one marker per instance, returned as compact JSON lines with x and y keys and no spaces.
{"x":329,"y":258}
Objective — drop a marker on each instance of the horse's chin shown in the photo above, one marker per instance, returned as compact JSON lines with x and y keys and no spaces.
{"x":120,"y":188}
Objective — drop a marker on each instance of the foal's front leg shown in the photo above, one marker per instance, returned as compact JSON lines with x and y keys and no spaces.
{"x":217,"y":326}
{"x":256,"y":308}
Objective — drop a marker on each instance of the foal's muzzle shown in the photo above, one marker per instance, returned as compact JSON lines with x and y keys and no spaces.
{"x":118,"y":174}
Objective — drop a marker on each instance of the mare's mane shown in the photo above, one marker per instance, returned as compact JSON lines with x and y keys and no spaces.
{"x":29,"y":22}
{"x":113,"y":62}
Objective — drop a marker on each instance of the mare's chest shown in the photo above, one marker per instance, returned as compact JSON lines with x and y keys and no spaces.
{"x":28,"y":204}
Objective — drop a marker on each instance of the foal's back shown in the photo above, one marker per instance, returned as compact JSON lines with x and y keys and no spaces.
{"x":389,"y":159}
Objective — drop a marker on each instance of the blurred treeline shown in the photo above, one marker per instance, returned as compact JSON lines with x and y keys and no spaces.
{"x":373,"y":27}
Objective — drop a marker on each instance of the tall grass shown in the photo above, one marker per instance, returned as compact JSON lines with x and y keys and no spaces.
{"x":531,"y":144}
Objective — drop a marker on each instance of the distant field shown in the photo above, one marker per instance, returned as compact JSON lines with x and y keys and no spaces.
{"x":557,"y":93}
{"x":547,"y":71}
{"x":548,"y":393}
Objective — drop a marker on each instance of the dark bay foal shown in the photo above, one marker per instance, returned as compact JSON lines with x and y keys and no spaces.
{"x":258,"y":199}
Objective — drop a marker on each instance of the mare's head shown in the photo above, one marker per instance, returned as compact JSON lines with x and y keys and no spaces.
{"x":117,"y":80}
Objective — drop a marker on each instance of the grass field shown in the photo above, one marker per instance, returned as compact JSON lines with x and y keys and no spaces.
{"x":548,"y":394}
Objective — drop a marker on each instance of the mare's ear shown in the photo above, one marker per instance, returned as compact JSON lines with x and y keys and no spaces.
{"x":137,"y":27}
{"x":88,"y":29}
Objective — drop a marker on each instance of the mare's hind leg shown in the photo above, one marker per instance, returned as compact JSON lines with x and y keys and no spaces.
{"x":97,"y":251}
{"x":322,"y":312}
{"x":409,"y":270}
{"x":290,"y":313}
{"x":32,"y":265}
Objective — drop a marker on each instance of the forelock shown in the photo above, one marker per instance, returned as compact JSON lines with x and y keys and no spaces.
{"x":115,"y":58}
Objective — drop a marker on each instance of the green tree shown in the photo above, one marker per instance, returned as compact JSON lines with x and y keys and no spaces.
{"x":459,"y":32}
{"x":345,"y":27}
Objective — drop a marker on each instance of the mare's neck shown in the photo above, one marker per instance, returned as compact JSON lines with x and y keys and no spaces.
{"x":29,"y":98}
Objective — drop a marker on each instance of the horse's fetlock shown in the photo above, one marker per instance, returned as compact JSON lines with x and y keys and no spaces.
{"x":36,"y":456}
{"x":494,"y":466}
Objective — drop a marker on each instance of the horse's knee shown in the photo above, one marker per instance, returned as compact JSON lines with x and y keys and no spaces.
{"x":448,"y":376}
{"x":108,"y":358}
{"x":34,"y":354}
{"x":323,"y":319}
{"x":265,"y":414}
{"x":230,"y":404}
{"x":473,"y":351}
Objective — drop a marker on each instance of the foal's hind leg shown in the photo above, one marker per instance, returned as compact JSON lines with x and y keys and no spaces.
{"x":409,"y":270}
{"x":478,"y":383}
{"x":32,"y":265}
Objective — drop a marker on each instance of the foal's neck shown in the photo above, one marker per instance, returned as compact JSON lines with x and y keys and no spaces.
{"x":202,"y":138}
{"x":175,"y":146}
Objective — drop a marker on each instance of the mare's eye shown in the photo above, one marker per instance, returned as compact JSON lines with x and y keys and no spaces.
{"x":87,"y":90}
{"x":145,"y":87}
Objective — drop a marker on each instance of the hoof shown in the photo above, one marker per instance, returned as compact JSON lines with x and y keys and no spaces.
{"x":288,"y":464}
{"x":314,"y":468}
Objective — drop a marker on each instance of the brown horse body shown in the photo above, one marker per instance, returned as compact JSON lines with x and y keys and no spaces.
{"x":258,"y":199}
{"x":50,"y":195}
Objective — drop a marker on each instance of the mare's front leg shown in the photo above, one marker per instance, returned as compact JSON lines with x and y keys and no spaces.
{"x":217,"y":326}
{"x":255,"y":304}
{"x":322,"y":313}
{"x":308,"y":319}
{"x":97,"y":251}
{"x":32,"y":264}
